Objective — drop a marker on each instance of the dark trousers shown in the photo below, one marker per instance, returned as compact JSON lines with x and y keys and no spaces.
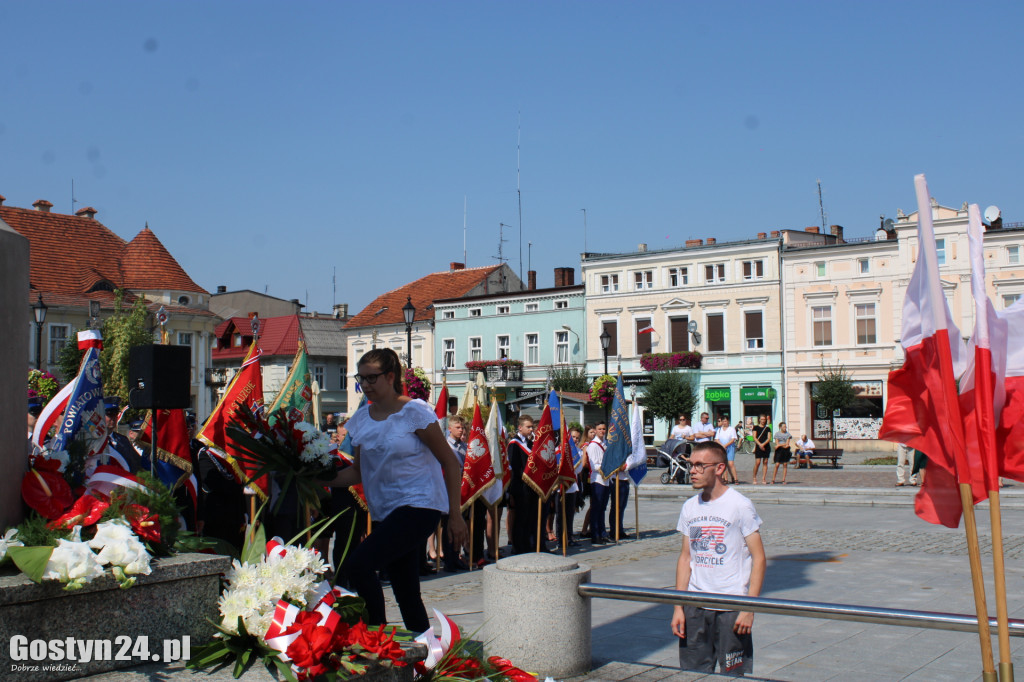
{"x":349,"y":527}
{"x":598,"y":502}
{"x":479,"y":512}
{"x":623,"y":498}
{"x":395,"y":545}
{"x":524,"y":524}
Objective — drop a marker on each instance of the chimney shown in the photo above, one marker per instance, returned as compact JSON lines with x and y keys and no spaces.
{"x":453,"y":266}
{"x":813,"y":229}
{"x":221,"y":289}
{"x":564,"y":277}
{"x":694,"y":242}
{"x":531,"y":280}
{"x":87,"y":212}
{"x":712,"y":241}
{"x":762,"y":235}
{"x":641,"y":247}
{"x":43,"y":205}
{"x":340,"y":311}
{"x":2,"y":199}
{"x":836,"y":230}
{"x":775,"y":234}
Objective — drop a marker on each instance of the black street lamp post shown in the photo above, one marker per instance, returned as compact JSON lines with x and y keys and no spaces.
{"x":606,"y":341}
{"x":39,"y":311}
{"x":409,"y":312}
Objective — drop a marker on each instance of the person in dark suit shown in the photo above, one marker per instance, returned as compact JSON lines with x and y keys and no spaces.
{"x":117,"y":441}
{"x":521,"y":496}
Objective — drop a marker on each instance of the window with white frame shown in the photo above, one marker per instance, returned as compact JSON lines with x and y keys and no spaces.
{"x":559,"y":305}
{"x":503,"y":310}
{"x":678,"y":277}
{"x":236,"y":340}
{"x":318,"y":375}
{"x":58,"y":337}
{"x":562,"y":348}
{"x":503,"y":345}
{"x":714,"y":273}
{"x":644,"y":279}
{"x":821,"y":317}
{"x":185,"y":339}
{"x":819,"y":268}
{"x":865,"y":315}
{"x":1010,"y":299}
{"x":476,"y":348}
{"x":476,"y":312}
{"x":753,"y":269}
{"x":753,"y":329}
{"x":533,"y":349}
{"x":940,"y":250}
{"x":447,"y":314}
{"x":343,"y":376}
{"x":448,"y":346}
{"x":1013,"y":255}
{"x":532,"y":307}
{"x":864,"y":265}
{"x":609,"y":284}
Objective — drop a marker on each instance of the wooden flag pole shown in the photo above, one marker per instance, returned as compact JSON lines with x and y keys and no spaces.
{"x":472,"y":522}
{"x":618,"y":522}
{"x":539,"y":503}
{"x":437,"y":548}
{"x":496,"y":522}
{"x":636,"y":509}
{"x":565,"y":531}
{"x":252,"y":517}
{"x":1005,"y":659}
{"x":988,"y":673}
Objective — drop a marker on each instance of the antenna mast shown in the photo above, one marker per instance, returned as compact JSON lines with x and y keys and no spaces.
{"x":334,"y":288}
{"x":73,"y":200}
{"x":821,"y":207}
{"x":464,"y":206}
{"x":519,"y":193}
{"x":501,"y":254}
{"x":584,"y":229}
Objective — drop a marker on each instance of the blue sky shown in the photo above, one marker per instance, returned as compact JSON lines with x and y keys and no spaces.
{"x":268,"y":143}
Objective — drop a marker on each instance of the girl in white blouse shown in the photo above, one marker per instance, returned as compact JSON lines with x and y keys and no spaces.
{"x":410,"y":476}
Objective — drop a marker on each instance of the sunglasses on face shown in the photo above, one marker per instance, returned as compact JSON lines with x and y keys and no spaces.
{"x":370,"y":379}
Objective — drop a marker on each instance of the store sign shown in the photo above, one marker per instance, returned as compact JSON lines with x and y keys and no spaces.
{"x":757,"y":393}
{"x":637,"y":380}
{"x":867,"y":389}
{"x":716,"y":395}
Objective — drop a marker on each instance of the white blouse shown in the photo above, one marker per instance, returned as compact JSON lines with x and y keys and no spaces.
{"x":397,"y":468}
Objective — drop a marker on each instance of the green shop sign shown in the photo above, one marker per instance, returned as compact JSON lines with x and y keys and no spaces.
{"x":757,"y":393}
{"x":717,"y":395}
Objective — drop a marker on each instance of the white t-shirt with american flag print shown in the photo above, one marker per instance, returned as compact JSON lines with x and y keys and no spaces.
{"x":719,"y":559}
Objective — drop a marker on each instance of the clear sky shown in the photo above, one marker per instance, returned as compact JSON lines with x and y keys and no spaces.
{"x":268,"y":143}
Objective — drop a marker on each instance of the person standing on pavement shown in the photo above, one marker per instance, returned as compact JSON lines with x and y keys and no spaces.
{"x":457,"y":442}
{"x":904,"y":460}
{"x":598,"y":487}
{"x":783,"y":452}
{"x":726,"y":437}
{"x":762,"y":447}
{"x":523,"y":499}
{"x":682,"y":430}
{"x":721,"y":553}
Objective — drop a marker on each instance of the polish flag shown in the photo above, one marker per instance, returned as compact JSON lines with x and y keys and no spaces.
{"x":496,"y":446}
{"x":923,"y":411}
{"x":646,"y":330}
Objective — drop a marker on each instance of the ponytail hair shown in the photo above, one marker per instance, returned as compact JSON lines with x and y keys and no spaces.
{"x":388,"y":361}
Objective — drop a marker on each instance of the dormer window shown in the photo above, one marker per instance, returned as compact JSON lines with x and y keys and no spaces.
{"x":184,"y":300}
{"x":236,"y":340}
{"x":102,"y":285}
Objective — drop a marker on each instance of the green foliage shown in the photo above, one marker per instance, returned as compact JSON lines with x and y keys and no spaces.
{"x":33,"y":531}
{"x":70,"y":358}
{"x":575,"y":425}
{"x":467,"y":414}
{"x":834,"y":390}
{"x":572,"y":379}
{"x":122,"y":331}
{"x":670,"y":394}
{"x":882,"y":461}
{"x":158,"y":500}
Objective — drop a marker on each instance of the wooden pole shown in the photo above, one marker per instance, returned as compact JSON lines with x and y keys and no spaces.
{"x":1005,"y":659}
{"x":636,"y":509}
{"x":437,"y":548}
{"x":369,"y":522}
{"x":252,"y":517}
{"x":565,"y":531}
{"x":615,"y":482}
{"x":539,"y":503}
{"x":988,"y":673}
{"x":497,"y":528}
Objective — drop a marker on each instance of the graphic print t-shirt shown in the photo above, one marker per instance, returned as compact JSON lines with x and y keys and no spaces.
{"x":719,"y":559}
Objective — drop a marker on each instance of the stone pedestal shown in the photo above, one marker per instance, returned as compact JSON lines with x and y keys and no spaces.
{"x":534,"y":615}
{"x":179,"y":598}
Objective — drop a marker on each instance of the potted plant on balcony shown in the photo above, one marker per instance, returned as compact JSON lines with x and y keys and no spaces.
{"x":655,"y":362}
{"x":498,"y":370}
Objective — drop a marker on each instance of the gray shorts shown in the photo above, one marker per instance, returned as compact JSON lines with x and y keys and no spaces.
{"x":710,"y":639}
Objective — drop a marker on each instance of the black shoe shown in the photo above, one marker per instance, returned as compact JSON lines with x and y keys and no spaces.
{"x":574,"y":543}
{"x":598,"y":541}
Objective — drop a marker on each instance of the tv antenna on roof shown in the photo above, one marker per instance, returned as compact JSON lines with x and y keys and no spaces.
{"x":821,"y":207}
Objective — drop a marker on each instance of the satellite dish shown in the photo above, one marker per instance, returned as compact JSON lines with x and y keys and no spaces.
{"x":692,"y":327}
{"x":696,"y":338}
{"x":992,"y":214}
{"x":889,"y":225}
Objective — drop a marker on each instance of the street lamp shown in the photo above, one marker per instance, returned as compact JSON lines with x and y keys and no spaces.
{"x":39,"y":311}
{"x":409,"y":312}
{"x":606,"y":341}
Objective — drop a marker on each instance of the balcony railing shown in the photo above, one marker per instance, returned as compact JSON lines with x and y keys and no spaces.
{"x":504,"y":373}
{"x":216,"y":376}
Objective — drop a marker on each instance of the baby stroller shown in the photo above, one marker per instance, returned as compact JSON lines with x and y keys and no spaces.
{"x":675,"y":453}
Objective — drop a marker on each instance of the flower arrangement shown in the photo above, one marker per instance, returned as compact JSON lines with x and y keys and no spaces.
{"x":294,"y":451}
{"x":42,"y":385}
{"x":603,"y":390}
{"x":482,"y":365}
{"x":417,"y":383}
{"x":660,"y":361}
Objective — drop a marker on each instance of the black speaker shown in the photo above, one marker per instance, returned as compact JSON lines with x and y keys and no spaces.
{"x":160,"y":377}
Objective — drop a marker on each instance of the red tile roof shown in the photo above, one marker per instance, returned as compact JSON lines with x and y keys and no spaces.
{"x":72,"y":255}
{"x":387,"y":308}
{"x":278,"y":336}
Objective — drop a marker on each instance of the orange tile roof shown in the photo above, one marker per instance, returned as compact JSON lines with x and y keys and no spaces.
{"x":387,"y":308}
{"x":70,"y":255}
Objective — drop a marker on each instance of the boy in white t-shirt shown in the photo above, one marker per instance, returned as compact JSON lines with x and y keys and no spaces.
{"x":721,"y":553}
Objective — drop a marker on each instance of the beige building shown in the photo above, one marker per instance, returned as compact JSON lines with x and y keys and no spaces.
{"x":844,"y":305}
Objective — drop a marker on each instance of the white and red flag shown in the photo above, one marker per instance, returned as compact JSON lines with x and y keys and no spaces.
{"x":478,"y":469}
{"x":541,"y":471}
{"x":922,"y":409}
{"x":496,"y":445}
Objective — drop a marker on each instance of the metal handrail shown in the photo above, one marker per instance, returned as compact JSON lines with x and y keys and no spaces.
{"x":934,"y":620}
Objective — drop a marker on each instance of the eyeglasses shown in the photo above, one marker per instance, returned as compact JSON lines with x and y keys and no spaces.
{"x":701,"y":466}
{"x":370,"y":379}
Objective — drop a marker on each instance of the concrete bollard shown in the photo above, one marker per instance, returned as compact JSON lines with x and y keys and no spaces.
{"x":534,"y":615}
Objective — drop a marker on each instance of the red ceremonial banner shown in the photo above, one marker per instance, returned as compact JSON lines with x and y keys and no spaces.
{"x":478,"y":471}
{"x":541,"y":472}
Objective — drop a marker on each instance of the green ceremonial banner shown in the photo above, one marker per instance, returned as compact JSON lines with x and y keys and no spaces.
{"x":297,"y":392}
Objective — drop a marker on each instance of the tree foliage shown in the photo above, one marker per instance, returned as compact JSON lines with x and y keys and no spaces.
{"x":670,"y":394}
{"x":572,"y":379}
{"x":834,"y":391}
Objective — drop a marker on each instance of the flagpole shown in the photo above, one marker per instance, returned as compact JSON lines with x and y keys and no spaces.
{"x":998,"y":569}
{"x":472,"y":520}
{"x":618,"y":522}
{"x":926,"y":236}
{"x":539,"y":503}
{"x":437,"y":547}
{"x":636,"y":509}
{"x":565,"y":531}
